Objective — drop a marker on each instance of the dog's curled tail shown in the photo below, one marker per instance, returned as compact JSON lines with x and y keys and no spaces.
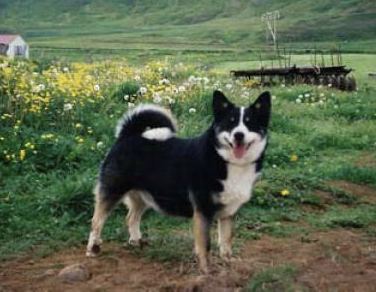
{"x":150,"y":121}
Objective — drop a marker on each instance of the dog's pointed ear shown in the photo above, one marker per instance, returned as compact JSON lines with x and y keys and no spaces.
{"x":221,"y":105}
{"x":261,"y":109}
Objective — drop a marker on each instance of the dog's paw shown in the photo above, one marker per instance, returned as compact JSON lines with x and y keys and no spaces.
{"x":226,"y":254}
{"x":139,"y":243}
{"x":93,"y":251}
{"x":204,"y":269}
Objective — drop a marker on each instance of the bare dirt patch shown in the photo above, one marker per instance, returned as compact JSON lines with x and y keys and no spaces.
{"x":366,"y":193}
{"x":118,"y":270}
{"x":367,"y":159}
{"x":327,"y":261}
{"x":340,"y":260}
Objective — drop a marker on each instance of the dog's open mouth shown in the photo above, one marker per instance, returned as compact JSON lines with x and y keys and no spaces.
{"x":240,"y":149}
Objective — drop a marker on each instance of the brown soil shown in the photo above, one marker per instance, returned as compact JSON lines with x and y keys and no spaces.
{"x":338,"y":260}
{"x":118,"y":270}
{"x":327,"y":261}
{"x":365,"y":193}
{"x":367,"y":159}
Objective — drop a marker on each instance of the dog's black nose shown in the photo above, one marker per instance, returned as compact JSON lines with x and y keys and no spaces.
{"x":239,"y":137}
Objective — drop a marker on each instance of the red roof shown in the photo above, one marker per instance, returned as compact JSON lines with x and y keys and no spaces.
{"x":7,"y":38}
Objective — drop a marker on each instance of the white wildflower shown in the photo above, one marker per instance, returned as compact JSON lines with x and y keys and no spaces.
{"x":137,"y":78}
{"x":126,"y":97}
{"x":228,"y":86}
{"x":192,"y":110}
{"x":100,"y":144}
{"x":68,"y":106}
{"x":143,"y":90}
{"x":170,"y":100}
{"x":181,"y":88}
{"x":96,"y":87}
{"x":192,"y":79}
{"x":164,"y":81}
{"x":42,"y":87}
{"x":298,"y":100}
{"x":306,"y":95}
{"x":157,"y":99}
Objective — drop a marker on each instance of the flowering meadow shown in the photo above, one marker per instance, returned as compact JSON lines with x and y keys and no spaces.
{"x":57,"y":121}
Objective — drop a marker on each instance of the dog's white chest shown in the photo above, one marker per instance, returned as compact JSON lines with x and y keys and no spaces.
{"x":237,"y":188}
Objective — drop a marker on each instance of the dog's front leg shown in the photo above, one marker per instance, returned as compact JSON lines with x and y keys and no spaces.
{"x":224,"y":237}
{"x":201,"y":230}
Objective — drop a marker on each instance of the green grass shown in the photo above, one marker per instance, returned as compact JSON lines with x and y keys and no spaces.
{"x":274,"y":279}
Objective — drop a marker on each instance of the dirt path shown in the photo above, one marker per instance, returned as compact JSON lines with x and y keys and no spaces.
{"x":338,"y":259}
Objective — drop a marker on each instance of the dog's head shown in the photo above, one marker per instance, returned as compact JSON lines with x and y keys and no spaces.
{"x":241,"y":132}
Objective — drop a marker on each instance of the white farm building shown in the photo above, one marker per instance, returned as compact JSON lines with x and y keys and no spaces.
{"x":13,"y":45}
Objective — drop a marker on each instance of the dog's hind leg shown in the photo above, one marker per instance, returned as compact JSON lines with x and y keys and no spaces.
{"x":201,"y":231}
{"x":136,"y":207}
{"x":104,"y":204}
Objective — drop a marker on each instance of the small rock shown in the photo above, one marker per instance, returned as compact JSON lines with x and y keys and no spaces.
{"x":47,"y":273}
{"x":372,"y":258}
{"x":75,"y":272}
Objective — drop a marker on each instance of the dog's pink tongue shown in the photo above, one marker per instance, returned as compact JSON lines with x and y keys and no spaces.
{"x":239,"y":151}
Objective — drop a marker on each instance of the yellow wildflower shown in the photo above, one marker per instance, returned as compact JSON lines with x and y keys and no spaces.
{"x":294,"y":158}
{"x":285,"y":193}
{"x":80,"y":140}
{"x":47,"y":136}
{"x":22,"y":154}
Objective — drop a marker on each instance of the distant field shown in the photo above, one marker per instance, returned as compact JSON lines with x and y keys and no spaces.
{"x":176,"y":25}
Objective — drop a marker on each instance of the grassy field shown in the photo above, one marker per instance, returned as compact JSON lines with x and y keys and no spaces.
{"x":195,"y":26}
{"x":320,"y":171}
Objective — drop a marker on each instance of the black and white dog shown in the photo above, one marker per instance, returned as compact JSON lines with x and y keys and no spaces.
{"x":207,"y":178}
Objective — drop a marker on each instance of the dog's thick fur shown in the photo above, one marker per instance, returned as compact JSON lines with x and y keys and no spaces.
{"x":205,"y":178}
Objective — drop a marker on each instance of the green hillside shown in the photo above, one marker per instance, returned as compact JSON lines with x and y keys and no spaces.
{"x":195,"y":24}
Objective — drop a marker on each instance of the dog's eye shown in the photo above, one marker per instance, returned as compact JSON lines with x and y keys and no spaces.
{"x":247,"y":119}
{"x":232,"y":119}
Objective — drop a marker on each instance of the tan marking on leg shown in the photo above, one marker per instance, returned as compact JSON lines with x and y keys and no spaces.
{"x":225,"y":236}
{"x":201,"y":234}
{"x":102,"y":210}
{"x":136,"y":207}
